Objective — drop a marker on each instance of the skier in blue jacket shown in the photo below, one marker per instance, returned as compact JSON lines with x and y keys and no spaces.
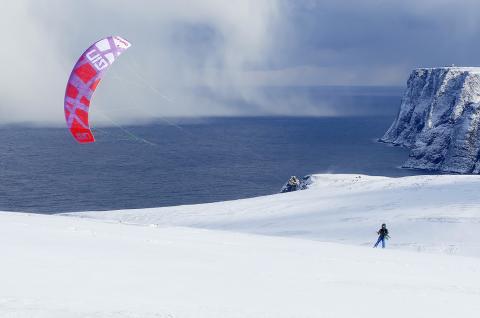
{"x":382,"y":235}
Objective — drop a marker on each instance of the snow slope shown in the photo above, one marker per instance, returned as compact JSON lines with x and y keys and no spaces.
{"x":210,"y":261}
{"x":54,"y":266}
{"x":436,"y":213}
{"x":439,"y":119}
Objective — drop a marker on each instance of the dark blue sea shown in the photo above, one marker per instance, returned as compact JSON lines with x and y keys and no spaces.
{"x":192,"y":160}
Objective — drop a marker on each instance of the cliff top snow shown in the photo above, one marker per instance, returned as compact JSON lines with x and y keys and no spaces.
{"x":451,"y":68}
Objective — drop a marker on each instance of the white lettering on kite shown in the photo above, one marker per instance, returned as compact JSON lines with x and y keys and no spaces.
{"x":97,"y":60}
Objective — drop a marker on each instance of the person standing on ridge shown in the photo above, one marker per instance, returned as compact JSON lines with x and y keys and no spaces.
{"x":382,"y":235}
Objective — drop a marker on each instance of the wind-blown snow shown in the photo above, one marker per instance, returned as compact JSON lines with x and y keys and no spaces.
{"x":140,"y":263}
{"x":439,"y":120}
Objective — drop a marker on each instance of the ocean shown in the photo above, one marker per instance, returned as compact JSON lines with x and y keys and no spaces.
{"x":198,"y":160}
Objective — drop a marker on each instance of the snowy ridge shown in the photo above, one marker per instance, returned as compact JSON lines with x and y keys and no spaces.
{"x":438,"y":119}
{"x":103,"y":264}
{"x":438,"y":214}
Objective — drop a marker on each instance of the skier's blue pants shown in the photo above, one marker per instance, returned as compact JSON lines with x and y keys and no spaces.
{"x":380,"y":239}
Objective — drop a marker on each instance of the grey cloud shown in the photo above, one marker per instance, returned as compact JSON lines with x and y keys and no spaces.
{"x":214,"y":57}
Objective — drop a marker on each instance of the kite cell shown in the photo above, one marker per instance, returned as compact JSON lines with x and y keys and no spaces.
{"x":83,"y":81}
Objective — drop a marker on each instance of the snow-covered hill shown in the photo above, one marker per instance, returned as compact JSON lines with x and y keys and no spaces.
{"x":313,"y":259}
{"x":435,"y":213}
{"x":439,"y":118}
{"x":59,"y":267}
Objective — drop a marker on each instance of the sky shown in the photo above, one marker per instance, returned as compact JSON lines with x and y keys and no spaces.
{"x":216,"y":57}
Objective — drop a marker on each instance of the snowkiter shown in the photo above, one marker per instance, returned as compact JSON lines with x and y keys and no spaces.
{"x":382,"y":235}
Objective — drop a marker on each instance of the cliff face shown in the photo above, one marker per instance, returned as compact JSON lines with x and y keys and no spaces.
{"x":439,"y":120}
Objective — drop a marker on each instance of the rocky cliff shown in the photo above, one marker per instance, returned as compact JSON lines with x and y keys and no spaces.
{"x":439,"y":120}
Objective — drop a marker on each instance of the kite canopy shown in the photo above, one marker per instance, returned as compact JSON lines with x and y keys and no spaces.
{"x":83,"y":81}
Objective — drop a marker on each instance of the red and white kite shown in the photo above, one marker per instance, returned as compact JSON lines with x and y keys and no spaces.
{"x":83,"y":81}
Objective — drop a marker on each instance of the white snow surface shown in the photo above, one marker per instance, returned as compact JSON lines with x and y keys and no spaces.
{"x":428,"y":213}
{"x":300,"y":254}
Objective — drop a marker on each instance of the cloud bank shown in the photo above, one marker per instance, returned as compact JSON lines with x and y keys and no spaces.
{"x":215,"y":57}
